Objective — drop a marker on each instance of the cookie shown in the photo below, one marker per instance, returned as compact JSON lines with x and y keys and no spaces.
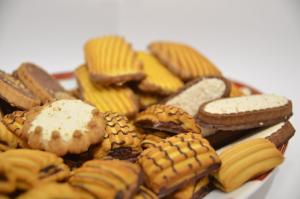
{"x":166,"y":118}
{"x":159,"y":80}
{"x":150,"y":140}
{"x":42,"y":84}
{"x":236,"y":91}
{"x":245,"y":161}
{"x":199,"y":91}
{"x":111,"y":60}
{"x":176,"y":162}
{"x":115,"y":99}
{"x":15,"y":93}
{"x":107,"y":178}
{"x":15,"y":122}
{"x":145,"y":193}
{"x":25,"y":168}
{"x":146,"y":99}
{"x":121,"y":139}
{"x":183,"y":60}
{"x":63,"y":126}
{"x":244,"y":112}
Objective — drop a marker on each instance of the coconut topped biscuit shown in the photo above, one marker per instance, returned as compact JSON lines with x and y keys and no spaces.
{"x":64,"y":126}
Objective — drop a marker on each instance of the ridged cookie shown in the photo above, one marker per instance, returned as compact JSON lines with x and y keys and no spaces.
{"x":115,"y":99}
{"x":244,"y":161}
{"x":159,"y":80}
{"x":244,"y":112}
{"x":8,"y":140}
{"x":145,"y":193}
{"x":111,"y":60}
{"x":63,"y":126}
{"x":183,"y":60}
{"x":107,"y":178}
{"x":15,"y":93}
{"x":121,"y":139}
{"x":177,"y":161}
{"x":166,"y":118}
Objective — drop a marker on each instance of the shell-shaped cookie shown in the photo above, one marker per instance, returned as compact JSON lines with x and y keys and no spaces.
{"x":145,"y":193}
{"x":244,"y":161}
{"x":30,"y":168}
{"x":166,"y":118}
{"x":8,"y":140}
{"x":107,"y":178}
{"x":115,"y":99}
{"x":183,"y":60}
{"x":121,"y":139}
{"x":111,"y":60}
{"x":15,"y":122}
{"x":176,"y":161}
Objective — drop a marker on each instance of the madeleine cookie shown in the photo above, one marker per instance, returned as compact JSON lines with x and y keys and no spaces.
{"x":115,"y":99}
{"x":107,"y":178}
{"x":42,"y":84}
{"x":121,"y":139}
{"x":63,"y":126}
{"x":166,"y":118}
{"x":24,"y":169}
{"x":15,"y":122}
{"x":145,"y":193}
{"x":244,"y":161}
{"x":111,"y":60}
{"x":8,"y":140}
{"x":244,"y":112}
{"x":199,"y":91}
{"x":158,"y":80}
{"x":183,"y":60}
{"x":177,"y":161}
{"x":15,"y":93}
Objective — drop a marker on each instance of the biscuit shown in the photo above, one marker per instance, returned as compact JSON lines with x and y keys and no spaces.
{"x":15,"y":93}
{"x":199,"y":91}
{"x":115,"y":99}
{"x":145,"y":193}
{"x":42,"y":84}
{"x":150,"y":140}
{"x":183,"y":60}
{"x":107,"y":178}
{"x":63,"y":126}
{"x":244,"y":112}
{"x":111,"y":60}
{"x":235,"y":91}
{"x":15,"y":122}
{"x":177,"y":161}
{"x":147,"y":99}
{"x":25,"y":168}
{"x":166,"y":118}
{"x":245,"y":161}
{"x":121,"y":139}
{"x":159,"y":80}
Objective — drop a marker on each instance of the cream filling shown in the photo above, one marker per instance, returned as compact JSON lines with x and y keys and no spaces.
{"x":64,"y":116}
{"x":192,"y":98}
{"x":245,"y":103}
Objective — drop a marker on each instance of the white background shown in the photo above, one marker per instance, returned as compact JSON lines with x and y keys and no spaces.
{"x":257,"y":42}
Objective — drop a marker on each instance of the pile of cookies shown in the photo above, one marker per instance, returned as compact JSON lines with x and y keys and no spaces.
{"x":159,"y":124}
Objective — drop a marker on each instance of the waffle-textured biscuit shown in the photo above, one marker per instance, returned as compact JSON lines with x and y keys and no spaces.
{"x":244,"y":161}
{"x":111,"y":60}
{"x":166,"y":118}
{"x":25,"y":168}
{"x":235,"y":91}
{"x":15,"y":122}
{"x":177,"y":161}
{"x":244,"y":112}
{"x":145,"y":193}
{"x":8,"y":140}
{"x":183,"y":60}
{"x":159,"y":80}
{"x":199,"y":91}
{"x":63,"y":126}
{"x":121,"y":139}
{"x":107,"y":178}
{"x":42,"y":84}
{"x":115,"y":99}
{"x":15,"y":93}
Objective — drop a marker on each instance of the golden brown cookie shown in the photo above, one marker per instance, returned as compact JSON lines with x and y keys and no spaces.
{"x":15,"y":121}
{"x":121,"y":139}
{"x":166,"y":118}
{"x":115,"y":99}
{"x":159,"y":80}
{"x":107,"y":178}
{"x":25,"y":168}
{"x":42,"y":84}
{"x":244,"y":161}
{"x":111,"y":60}
{"x":235,"y":91}
{"x":15,"y":93}
{"x":150,"y":140}
{"x":63,"y":126}
{"x":183,"y":60}
{"x":146,"y":99}
{"x":145,"y":193}
{"x":177,"y":161}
